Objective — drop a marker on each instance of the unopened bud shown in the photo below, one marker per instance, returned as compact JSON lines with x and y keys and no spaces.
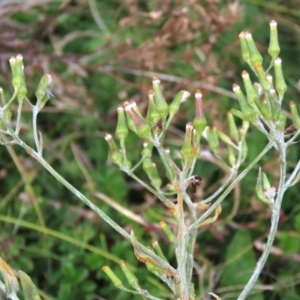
{"x":115,"y":154}
{"x":244,"y":47}
{"x":175,"y":105}
{"x":161,"y":104}
{"x":143,"y":129}
{"x":255,"y":56}
{"x":274,"y":48}
{"x":295,"y":115}
{"x":232,"y":127}
{"x":132,"y":280}
{"x":199,"y":121}
{"x":41,"y":93}
{"x":121,"y":130}
{"x":250,"y":90}
{"x":153,"y":115}
{"x":280,"y":84}
{"x":248,"y":112}
{"x":113,"y":277}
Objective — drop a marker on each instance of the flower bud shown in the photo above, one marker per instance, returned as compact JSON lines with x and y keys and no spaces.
{"x":115,"y":154}
{"x":212,"y":138}
{"x":153,"y":115}
{"x":231,"y":156}
{"x":121,"y":129}
{"x":152,"y":172}
{"x":169,"y":233}
{"x":280,"y":84}
{"x":295,"y":115}
{"x":147,"y":151}
{"x":41,"y":93}
{"x":244,"y":47}
{"x":143,"y":129}
{"x":263,"y":189}
{"x":199,"y":121}
{"x":161,"y":104}
{"x":18,"y":80}
{"x":132,"y":280}
{"x":232,"y":127}
{"x":248,"y":112}
{"x":187,"y":147}
{"x":274,"y":48}
{"x":158,"y":250}
{"x":250,"y":90}
{"x":113,"y":277}
{"x":244,"y":149}
{"x":255,"y":56}
{"x":260,"y":72}
{"x":175,"y":105}
{"x":2,"y":97}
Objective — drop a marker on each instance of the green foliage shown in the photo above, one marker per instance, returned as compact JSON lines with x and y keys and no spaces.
{"x":239,"y":264}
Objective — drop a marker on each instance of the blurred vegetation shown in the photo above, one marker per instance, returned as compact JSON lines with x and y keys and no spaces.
{"x":101,"y":53}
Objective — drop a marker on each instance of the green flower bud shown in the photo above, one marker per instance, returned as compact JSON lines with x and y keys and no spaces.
{"x":113,"y":277}
{"x":255,"y":56}
{"x":244,"y":47}
{"x":18,"y":80}
{"x":121,"y":129}
{"x":199,"y":121}
{"x":153,"y":115}
{"x":280,"y":84}
{"x":29,"y":289}
{"x":132,"y":280}
{"x":212,"y":138}
{"x":264,"y":193}
{"x":161,"y":104}
{"x":147,"y":151}
{"x":248,"y":112}
{"x":152,"y":268}
{"x":274,"y":48}
{"x":129,"y":120}
{"x":250,"y":90}
{"x":2,"y":97}
{"x":169,"y":233}
{"x":263,"y":109}
{"x":295,"y":115}
{"x":269,"y":79}
{"x":42,"y":92}
{"x":115,"y":154}
{"x":261,"y":76}
{"x":232,"y":127}
{"x":175,"y":105}
{"x":244,"y":149}
{"x":187,"y":147}
{"x":157,"y":249}
{"x":231,"y":156}
{"x":143,"y":129}
{"x":224,"y":137}
{"x":237,"y":113}
{"x":151,"y":171}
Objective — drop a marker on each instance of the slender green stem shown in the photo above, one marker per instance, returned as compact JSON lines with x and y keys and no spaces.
{"x":34,"y":128}
{"x":274,"y":224}
{"x":230,"y":188}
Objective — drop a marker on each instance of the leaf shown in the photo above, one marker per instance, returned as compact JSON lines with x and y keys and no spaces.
{"x":29,"y":289}
{"x":240,"y":263}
